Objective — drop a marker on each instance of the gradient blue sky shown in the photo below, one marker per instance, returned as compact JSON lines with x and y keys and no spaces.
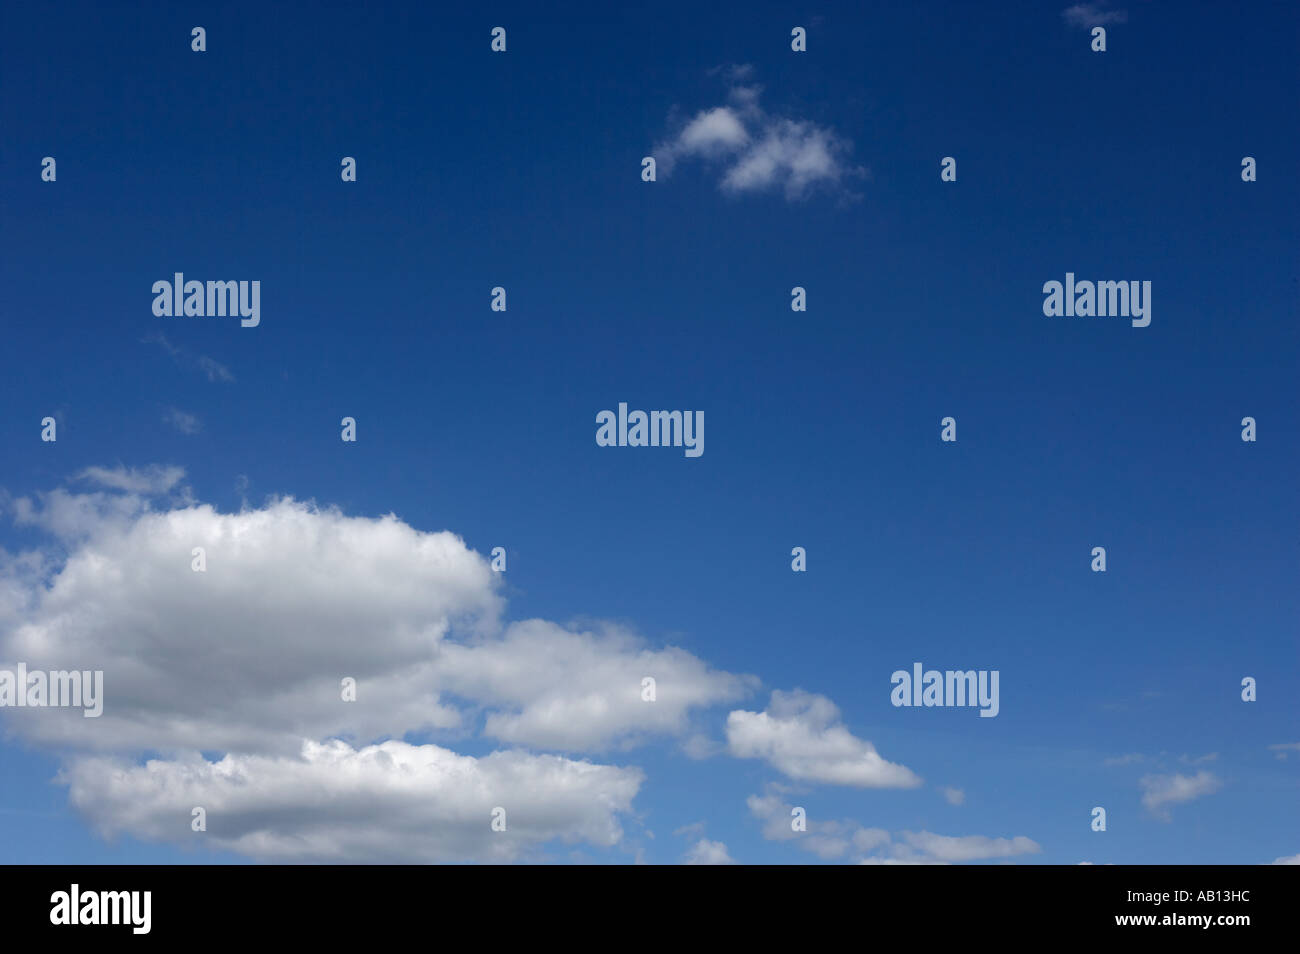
{"x":925,"y":300}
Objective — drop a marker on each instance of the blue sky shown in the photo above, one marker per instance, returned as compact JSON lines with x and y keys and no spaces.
{"x":522,"y":169}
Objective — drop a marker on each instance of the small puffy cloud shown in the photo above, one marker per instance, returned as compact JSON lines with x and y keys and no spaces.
{"x":393,"y":802}
{"x":801,"y":736}
{"x":757,"y":151}
{"x":791,"y":154}
{"x":705,"y":852}
{"x":1288,"y":860}
{"x":1159,"y":791}
{"x":1088,"y":15}
{"x":955,"y":796}
{"x":712,"y":133}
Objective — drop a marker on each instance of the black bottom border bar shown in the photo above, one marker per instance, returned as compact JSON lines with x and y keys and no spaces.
{"x":334,"y":903}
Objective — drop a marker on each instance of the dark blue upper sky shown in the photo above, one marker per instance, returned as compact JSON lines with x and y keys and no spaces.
{"x":925,"y":300}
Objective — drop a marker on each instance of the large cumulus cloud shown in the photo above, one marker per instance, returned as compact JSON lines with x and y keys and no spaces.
{"x":223,"y":688}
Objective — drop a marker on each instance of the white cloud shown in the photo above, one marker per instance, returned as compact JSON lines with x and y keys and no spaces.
{"x":212,"y":369}
{"x":247,"y":656}
{"x":794,"y":155}
{"x":391,"y":802}
{"x":968,"y":847}
{"x":829,"y":839}
{"x":129,"y":492}
{"x":247,"y":659}
{"x":833,"y":840}
{"x":154,"y":479}
{"x":1125,"y":759}
{"x":184,"y":422}
{"x":733,"y":72}
{"x":699,"y":747}
{"x":705,"y":852}
{"x":1088,"y":15}
{"x":756,"y":150}
{"x":801,"y":736}
{"x":1282,"y":748}
{"x":877,"y":860}
{"x":215,"y":370}
{"x":955,"y":796}
{"x":1289,"y":860}
{"x":557,"y":689}
{"x":1159,"y":791}
{"x":711,"y":133}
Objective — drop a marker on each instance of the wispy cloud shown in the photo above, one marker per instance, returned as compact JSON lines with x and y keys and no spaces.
{"x":182,"y":421}
{"x":841,"y":839}
{"x":212,"y":369}
{"x":1125,"y":759}
{"x":1088,"y":15}
{"x":215,"y":370}
{"x":693,"y":830}
{"x":154,"y":479}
